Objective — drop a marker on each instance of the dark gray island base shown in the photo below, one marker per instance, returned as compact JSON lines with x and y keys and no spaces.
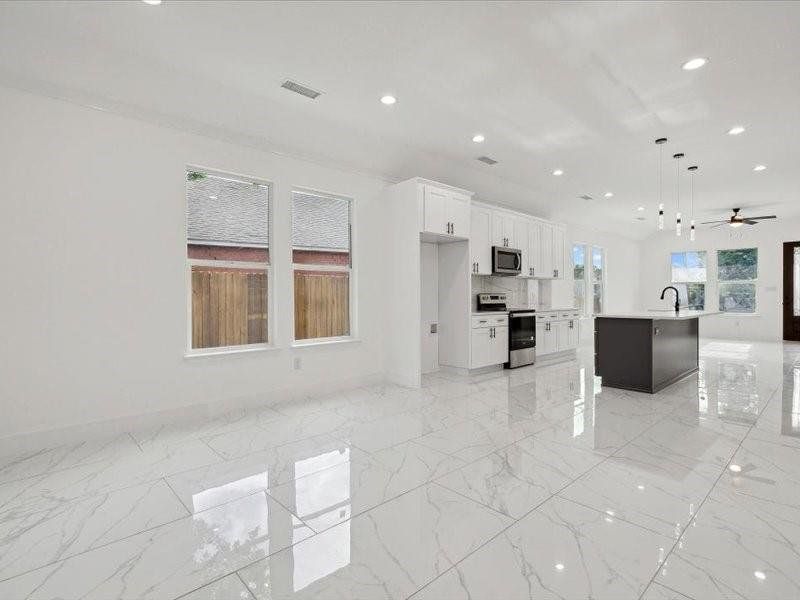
{"x":646,"y":352}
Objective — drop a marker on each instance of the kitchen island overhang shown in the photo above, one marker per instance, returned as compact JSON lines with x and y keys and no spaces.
{"x":647,"y":351}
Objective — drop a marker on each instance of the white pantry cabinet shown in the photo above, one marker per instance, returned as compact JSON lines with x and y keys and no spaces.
{"x":480,"y":240}
{"x":489,"y":341}
{"x":445,"y":212}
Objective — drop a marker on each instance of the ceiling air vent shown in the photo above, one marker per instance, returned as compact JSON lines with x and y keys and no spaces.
{"x":585,"y":197}
{"x":299,"y":88}
{"x":486,"y":160}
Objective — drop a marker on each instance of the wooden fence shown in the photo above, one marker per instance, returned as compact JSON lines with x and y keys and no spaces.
{"x":321,"y":304}
{"x":229,"y":306}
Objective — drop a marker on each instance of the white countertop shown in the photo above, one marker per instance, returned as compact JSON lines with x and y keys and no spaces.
{"x":486,"y":313}
{"x":661,"y":315}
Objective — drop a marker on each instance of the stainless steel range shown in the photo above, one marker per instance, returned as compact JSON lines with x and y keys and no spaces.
{"x":521,"y":329}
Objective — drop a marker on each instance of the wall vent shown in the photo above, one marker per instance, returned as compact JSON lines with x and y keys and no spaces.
{"x":299,"y":88}
{"x":585,"y":197}
{"x":487,"y":160}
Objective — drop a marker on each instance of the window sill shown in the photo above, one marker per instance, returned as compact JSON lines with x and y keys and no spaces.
{"x":228,"y":351}
{"x":737,"y":315}
{"x":323,"y":342}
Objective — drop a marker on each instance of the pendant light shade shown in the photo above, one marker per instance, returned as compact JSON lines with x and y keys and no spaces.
{"x":660,"y":143}
{"x":678,"y":158}
{"x":692,"y":170}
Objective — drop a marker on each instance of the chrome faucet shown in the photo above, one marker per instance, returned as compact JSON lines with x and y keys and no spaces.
{"x":677,"y":296}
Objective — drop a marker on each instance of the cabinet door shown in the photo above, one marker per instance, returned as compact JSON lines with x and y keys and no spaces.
{"x":534,"y":251}
{"x":573,"y":333}
{"x":499,"y":346}
{"x":480,"y":240}
{"x":561,"y":335}
{"x":435,"y":210}
{"x":521,"y":225}
{"x":544,"y":339}
{"x":502,"y":229}
{"x":559,"y":253}
{"x":546,"y":250}
{"x":479,"y":348}
{"x":458,"y":215}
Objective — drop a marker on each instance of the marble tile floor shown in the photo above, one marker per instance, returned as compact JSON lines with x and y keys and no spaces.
{"x":532,"y":483}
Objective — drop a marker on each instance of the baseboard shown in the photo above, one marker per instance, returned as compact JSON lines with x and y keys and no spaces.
{"x":42,"y":438}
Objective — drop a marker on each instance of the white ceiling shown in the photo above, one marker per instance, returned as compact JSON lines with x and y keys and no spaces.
{"x":585,"y":87}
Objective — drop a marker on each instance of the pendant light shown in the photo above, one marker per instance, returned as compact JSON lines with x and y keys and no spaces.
{"x":692,"y":171}
{"x":660,"y":143}
{"x":678,"y":158}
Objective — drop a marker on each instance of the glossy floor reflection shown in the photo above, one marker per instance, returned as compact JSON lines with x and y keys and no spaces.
{"x":533,"y":483}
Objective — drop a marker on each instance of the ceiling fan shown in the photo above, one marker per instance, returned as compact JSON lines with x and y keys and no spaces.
{"x":738,"y":220}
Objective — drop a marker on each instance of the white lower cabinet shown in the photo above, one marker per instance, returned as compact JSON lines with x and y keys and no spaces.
{"x":489,"y":341}
{"x":557,"y":332}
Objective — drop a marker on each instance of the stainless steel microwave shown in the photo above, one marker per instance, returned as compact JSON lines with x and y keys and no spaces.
{"x":506,"y":261}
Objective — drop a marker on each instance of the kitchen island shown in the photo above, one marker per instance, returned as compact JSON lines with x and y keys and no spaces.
{"x":646,"y":351}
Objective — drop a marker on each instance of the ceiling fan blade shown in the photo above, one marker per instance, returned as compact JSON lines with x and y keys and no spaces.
{"x":721,"y":223}
{"x":750,"y":222}
{"x":711,"y":222}
{"x":764,"y":217}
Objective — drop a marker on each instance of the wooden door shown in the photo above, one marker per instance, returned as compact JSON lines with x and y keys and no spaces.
{"x":791,"y":291}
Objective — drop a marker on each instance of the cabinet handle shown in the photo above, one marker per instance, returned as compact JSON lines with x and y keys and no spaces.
{"x":452,"y":228}
{"x":477,"y":267}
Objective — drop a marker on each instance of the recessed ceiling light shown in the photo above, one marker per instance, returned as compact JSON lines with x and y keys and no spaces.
{"x":759,"y":167}
{"x":608,"y":195}
{"x":760,"y":575}
{"x":559,"y":566}
{"x":388,"y":100}
{"x":640,"y":209}
{"x":152,"y":2}
{"x":213,"y":197}
{"x":478,"y":138}
{"x":558,"y":172}
{"x":735,"y":468}
{"x":694,"y":63}
{"x":736,"y":130}
{"x":640,"y":487}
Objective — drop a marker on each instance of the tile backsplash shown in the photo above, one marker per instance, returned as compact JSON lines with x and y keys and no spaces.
{"x":521,"y":292}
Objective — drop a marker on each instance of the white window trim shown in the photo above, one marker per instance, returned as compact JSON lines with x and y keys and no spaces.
{"x":190,"y":352}
{"x":704,"y":282}
{"x":588,"y":284}
{"x":721,"y":282}
{"x":350,"y":269}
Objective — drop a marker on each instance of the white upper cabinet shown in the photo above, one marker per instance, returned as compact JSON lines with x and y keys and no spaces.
{"x":445,"y":212}
{"x":480,"y":240}
{"x":559,"y":253}
{"x":503,"y":229}
{"x":546,"y":267}
{"x":534,"y":249}
{"x":521,"y":233}
{"x":459,"y":214}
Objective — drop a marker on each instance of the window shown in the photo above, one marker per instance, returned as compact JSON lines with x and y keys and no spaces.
{"x":689,"y":277}
{"x":227,"y":247}
{"x":579,"y":276}
{"x":321,"y":257}
{"x":737,"y":272}
{"x":598,"y":266}
{"x":588,"y":285}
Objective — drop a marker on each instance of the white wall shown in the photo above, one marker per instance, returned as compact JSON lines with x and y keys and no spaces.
{"x":93,"y":266}
{"x":768,"y":237}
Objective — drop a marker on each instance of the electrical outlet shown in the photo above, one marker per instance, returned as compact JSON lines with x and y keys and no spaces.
{"x":298,"y":363}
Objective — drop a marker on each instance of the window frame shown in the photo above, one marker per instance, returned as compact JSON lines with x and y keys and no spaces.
{"x":268,"y":267}
{"x":705,"y":282}
{"x":350,"y":269}
{"x":588,"y":282}
{"x":721,"y":282}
